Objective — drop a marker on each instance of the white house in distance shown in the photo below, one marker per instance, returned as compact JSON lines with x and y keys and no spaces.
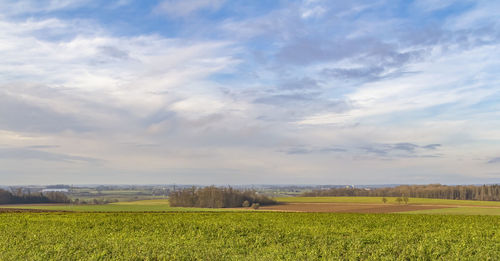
{"x":56,"y":190}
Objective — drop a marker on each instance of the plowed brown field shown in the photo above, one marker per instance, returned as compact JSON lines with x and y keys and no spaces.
{"x":347,"y":207}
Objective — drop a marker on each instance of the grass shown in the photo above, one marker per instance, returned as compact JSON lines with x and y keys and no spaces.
{"x":162,"y":205}
{"x":458,"y":211}
{"x":106,"y":208}
{"x":378,"y":200}
{"x":150,"y":202}
{"x":156,"y":205}
{"x":247,"y":236}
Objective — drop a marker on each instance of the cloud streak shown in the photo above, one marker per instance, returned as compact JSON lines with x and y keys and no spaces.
{"x":23,"y":154}
{"x":182,"y":8}
{"x":249,"y":91}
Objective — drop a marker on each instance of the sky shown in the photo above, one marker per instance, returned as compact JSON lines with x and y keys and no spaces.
{"x":249,"y":92}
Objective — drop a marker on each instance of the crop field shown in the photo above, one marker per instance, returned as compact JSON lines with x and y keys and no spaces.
{"x":375,"y":205}
{"x":459,"y":211}
{"x":298,"y":204}
{"x":247,"y":236}
{"x":160,"y":205}
{"x":391,"y":200}
{"x":349,"y":207}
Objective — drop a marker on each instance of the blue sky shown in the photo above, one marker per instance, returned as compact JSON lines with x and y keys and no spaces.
{"x":249,"y":92}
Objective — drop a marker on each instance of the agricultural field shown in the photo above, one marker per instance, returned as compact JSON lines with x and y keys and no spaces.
{"x":298,"y":204}
{"x":348,"y":207}
{"x":391,"y":200}
{"x":153,"y":230}
{"x":375,"y":205}
{"x":459,"y":211}
{"x":160,"y":205}
{"x":247,"y":236}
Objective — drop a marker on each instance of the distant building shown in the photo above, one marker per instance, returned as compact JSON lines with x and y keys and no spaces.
{"x":55,"y":190}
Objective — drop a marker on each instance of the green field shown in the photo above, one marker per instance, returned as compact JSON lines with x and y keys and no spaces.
{"x":151,"y":202}
{"x":162,"y":205}
{"x":246,"y":236}
{"x":133,"y":206}
{"x":378,"y":200}
{"x":458,"y":211}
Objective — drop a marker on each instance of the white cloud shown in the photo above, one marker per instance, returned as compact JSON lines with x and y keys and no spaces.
{"x":33,"y":6}
{"x":430,"y":5}
{"x":221,"y":107}
{"x":315,"y":11}
{"x":438,"y":80}
{"x":123,"y":72}
{"x":181,"y":8}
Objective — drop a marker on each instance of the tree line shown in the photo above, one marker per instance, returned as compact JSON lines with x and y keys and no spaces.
{"x":215,"y":197}
{"x":18,"y":197}
{"x":462,"y":192}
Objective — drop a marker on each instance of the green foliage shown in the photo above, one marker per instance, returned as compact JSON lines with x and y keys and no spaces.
{"x":460,"y":192}
{"x":18,"y":197}
{"x":384,"y":200}
{"x":237,"y":236}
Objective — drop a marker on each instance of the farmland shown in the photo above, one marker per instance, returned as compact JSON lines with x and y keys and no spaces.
{"x":375,"y":205}
{"x":378,"y":200}
{"x":348,"y":207}
{"x":152,"y":229}
{"x":459,"y":211}
{"x":297,"y":204}
{"x":247,"y":236}
{"x":159,"y":205}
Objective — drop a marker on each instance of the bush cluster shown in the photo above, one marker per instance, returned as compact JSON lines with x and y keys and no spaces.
{"x":214,"y":197}
{"x":467,"y":192}
{"x":18,"y":197}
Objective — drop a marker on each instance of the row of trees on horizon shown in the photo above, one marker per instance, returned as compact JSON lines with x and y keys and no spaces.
{"x":18,"y":197}
{"x":459,"y":192}
{"x":214,"y":197}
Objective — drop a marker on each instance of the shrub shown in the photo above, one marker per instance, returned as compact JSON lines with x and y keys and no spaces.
{"x":214,"y":197}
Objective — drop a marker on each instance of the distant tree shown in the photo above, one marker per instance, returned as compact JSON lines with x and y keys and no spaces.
{"x":255,"y":206}
{"x":399,"y":200}
{"x":384,"y":199}
{"x":405,"y":199}
{"x":467,"y":192}
{"x":18,"y":197}
{"x":245,"y":204}
{"x":215,"y":197}
{"x":57,"y":197}
{"x":5,"y":196}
